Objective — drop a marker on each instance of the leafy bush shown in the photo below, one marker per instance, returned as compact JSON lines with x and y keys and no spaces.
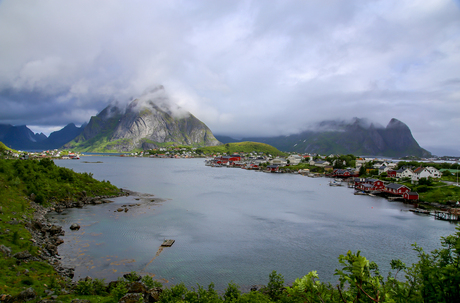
{"x":84,"y":287}
{"x":150,"y":283}
{"x":119,"y":290}
{"x":232,"y":292}
{"x":275,"y":285}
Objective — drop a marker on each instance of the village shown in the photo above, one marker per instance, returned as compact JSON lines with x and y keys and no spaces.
{"x":350,"y":176}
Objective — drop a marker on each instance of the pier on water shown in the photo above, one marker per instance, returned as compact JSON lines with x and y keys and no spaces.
{"x":452,"y":214}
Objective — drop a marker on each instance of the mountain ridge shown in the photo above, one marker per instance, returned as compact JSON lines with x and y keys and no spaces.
{"x":22,"y":138}
{"x":359,"y":137}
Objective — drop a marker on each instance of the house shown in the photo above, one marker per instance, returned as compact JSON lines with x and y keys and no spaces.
{"x":226,"y":159}
{"x":425,"y":172}
{"x":279,"y":161}
{"x":370,"y":185}
{"x":404,"y":173}
{"x":410,"y":195}
{"x":274,"y":168}
{"x":383,"y":169}
{"x":396,"y":189}
{"x":344,"y":173}
{"x":294,"y":159}
{"x":391,"y":173}
{"x":320,"y":163}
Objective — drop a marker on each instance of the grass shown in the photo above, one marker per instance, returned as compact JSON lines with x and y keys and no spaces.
{"x":241,"y":147}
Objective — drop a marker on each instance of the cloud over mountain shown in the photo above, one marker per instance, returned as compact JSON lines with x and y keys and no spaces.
{"x":244,"y":68}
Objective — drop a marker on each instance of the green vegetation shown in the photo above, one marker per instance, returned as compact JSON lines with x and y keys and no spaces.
{"x":434,"y":278}
{"x":240,"y":147}
{"x":46,"y":182}
{"x":4,"y":148}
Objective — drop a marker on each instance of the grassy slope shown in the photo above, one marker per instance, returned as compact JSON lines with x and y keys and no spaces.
{"x":245,"y":147}
{"x":16,"y":179}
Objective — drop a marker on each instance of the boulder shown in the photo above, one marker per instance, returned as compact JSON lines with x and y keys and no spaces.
{"x":26,"y":295}
{"x":75,"y":226}
{"x":136,"y":287}
{"x":153,"y":294}
{"x":22,"y":255}
{"x":120,"y":209}
{"x":80,"y":301}
{"x":55,"y":230}
{"x":131,"y":298}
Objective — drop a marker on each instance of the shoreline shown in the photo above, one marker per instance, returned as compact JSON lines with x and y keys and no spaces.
{"x":46,"y":235}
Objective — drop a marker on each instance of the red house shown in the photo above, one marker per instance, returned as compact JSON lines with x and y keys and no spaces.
{"x":343,"y":173}
{"x":226,"y":159}
{"x":410,"y":195}
{"x":371,"y":185}
{"x":396,"y":189}
{"x":273,"y":168}
{"x":391,"y":174}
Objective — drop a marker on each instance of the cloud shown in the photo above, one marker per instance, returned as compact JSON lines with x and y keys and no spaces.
{"x":245,"y":68}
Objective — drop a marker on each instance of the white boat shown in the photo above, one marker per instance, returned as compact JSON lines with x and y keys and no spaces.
{"x":335,"y":183}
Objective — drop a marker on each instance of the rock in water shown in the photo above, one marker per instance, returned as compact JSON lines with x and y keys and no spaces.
{"x":74,"y":226}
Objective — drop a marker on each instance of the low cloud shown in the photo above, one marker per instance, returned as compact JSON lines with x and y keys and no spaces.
{"x":243,"y":68}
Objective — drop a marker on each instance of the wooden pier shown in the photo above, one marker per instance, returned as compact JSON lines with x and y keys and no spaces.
{"x":451,"y":214}
{"x":168,"y":243}
{"x":420,"y":211}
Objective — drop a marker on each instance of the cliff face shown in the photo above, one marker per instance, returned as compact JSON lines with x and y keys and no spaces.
{"x":357,"y":137}
{"x":144,"y":124}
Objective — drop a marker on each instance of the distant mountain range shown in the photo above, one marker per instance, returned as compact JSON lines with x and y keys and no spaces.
{"x":22,"y":138}
{"x":358,"y":137}
{"x":151,"y":121}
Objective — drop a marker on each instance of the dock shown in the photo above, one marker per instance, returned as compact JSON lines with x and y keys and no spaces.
{"x":168,"y":243}
{"x":449,"y":215}
{"x":420,"y":211}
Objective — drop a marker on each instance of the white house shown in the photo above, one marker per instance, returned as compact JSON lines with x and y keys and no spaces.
{"x":294,"y":159}
{"x":320,"y":163}
{"x":425,"y":172}
{"x":404,"y":173}
{"x":278,"y":161}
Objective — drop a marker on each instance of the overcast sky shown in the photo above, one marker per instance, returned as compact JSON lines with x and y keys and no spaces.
{"x":245,"y":68}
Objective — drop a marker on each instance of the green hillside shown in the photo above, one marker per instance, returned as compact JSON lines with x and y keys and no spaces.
{"x":3,"y":147}
{"x":241,"y":147}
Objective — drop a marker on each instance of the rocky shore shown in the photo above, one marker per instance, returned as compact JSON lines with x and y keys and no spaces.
{"x":47,"y":236}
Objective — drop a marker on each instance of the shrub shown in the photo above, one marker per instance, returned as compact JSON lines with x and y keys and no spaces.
{"x":120,"y":290}
{"x":232,"y":292}
{"x":275,"y":285}
{"x":84,"y":287}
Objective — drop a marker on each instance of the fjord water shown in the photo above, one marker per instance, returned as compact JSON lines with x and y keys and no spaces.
{"x":233,"y":225}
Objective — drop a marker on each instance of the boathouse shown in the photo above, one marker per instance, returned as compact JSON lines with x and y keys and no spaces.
{"x":371,"y":185}
{"x":396,"y":189}
{"x":273,"y":168}
{"x":410,"y":195}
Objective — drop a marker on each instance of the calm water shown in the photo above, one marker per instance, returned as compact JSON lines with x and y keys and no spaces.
{"x":232,"y":224}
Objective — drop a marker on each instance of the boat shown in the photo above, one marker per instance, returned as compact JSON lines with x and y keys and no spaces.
{"x":335,"y":183}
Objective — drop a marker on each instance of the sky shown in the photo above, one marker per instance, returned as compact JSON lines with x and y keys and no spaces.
{"x":244,"y":68}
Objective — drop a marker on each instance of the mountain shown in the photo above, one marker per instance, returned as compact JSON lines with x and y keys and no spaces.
{"x":19,"y":137}
{"x":148,"y":122}
{"x":357,"y":137}
{"x":58,"y":138}
{"x":22,"y":138}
